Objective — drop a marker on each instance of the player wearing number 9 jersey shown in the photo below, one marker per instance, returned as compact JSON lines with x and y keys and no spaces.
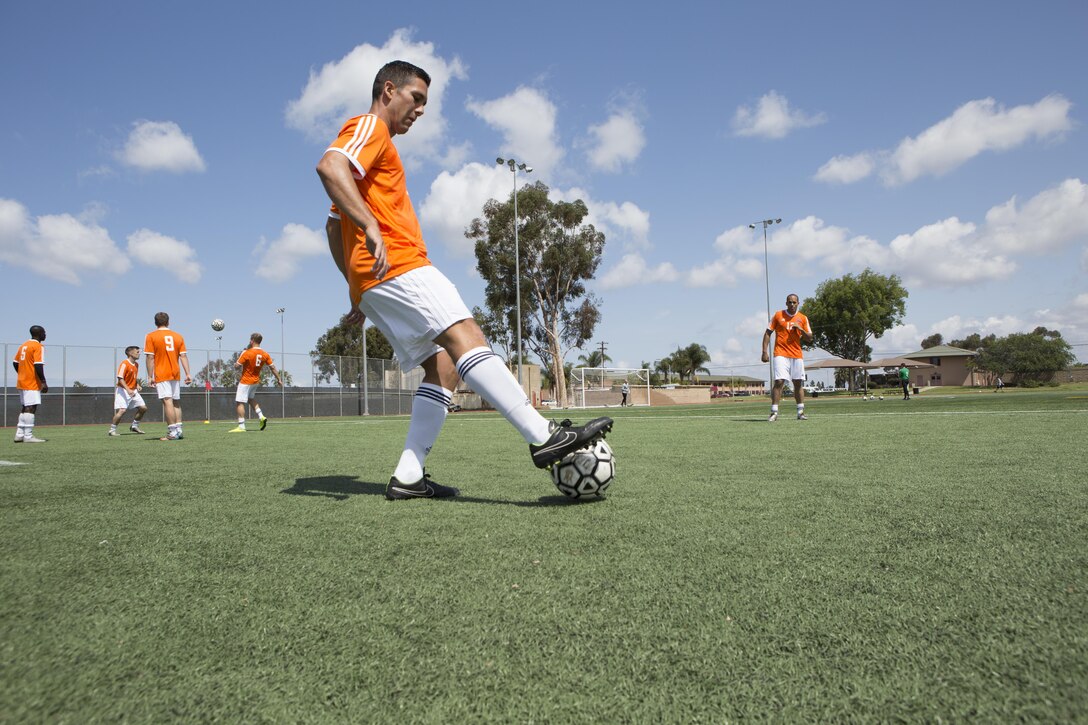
{"x":165,"y":358}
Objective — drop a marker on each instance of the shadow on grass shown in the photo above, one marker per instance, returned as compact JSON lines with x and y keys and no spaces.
{"x":335,"y":487}
{"x":340,"y":488}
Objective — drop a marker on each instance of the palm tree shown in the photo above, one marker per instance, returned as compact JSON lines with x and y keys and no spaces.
{"x":595,"y":359}
{"x":697,"y":357}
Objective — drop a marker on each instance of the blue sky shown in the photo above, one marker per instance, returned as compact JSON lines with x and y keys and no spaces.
{"x":157,"y":156}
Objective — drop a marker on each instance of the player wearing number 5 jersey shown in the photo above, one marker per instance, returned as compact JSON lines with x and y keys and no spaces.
{"x":29,"y":365}
{"x":251,"y":362}
{"x":166,"y":358}
{"x":790,"y":329}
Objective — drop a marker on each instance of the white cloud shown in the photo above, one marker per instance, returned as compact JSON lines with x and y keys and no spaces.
{"x":633,"y":270}
{"x":626,"y":219}
{"x":958,"y":327}
{"x":947,"y":253}
{"x":1046,"y":223}
{"x":456,"y":198}
{"x":1080,"y":303}
{"x":161,"y":146}
{"x":616,"y":142}
{"x":342,"y":89}
{"x":60,"y":247}
{"x":158,"y":250}
{"x":280,"y":259}
{"x":846,"y":169}
{"x":772,"y":118}
{"x":526,"y":119}
{"x":897,"y":340}
{"x":975,"y":127}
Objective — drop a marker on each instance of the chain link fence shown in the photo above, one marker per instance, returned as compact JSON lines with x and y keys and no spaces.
{"x":82,"y":379}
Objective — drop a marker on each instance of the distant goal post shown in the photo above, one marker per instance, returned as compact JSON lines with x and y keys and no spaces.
{"x":603,"y":387}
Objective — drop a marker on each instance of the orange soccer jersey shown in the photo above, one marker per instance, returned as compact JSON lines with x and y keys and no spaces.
{"x":787,"y":333}
{"x":29,"y":354}
{"x":379,"y":174}
{"x":252,"y":360}
{"x":165,"y":347}
{"x":126,"y":373}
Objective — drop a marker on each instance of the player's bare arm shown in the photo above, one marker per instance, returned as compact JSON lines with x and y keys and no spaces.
{"x":766,"y":343}
{"x":185,"y":365}
{"x":335,"y":172}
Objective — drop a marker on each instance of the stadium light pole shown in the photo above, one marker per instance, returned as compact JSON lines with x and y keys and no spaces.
{"x":514,"y":166}
{"x":283,"y":365}
{"x":767,"y":279}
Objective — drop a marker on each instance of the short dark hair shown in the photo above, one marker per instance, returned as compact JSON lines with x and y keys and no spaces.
{"x":36,"y":331}
{"x":793,"y":294}
{"x":256,"y":337}
{"x":397,"y":72}
{"x":162,"y":319}
{"x":131,"y":347}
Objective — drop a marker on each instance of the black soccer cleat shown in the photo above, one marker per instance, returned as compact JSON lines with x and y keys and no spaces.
{"x":423,"y":488}
{"x":566,"y":438}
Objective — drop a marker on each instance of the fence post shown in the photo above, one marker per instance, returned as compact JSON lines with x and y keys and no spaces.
{"x":64,"y":385}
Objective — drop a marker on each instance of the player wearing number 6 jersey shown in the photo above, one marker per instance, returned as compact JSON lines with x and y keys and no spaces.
{"x":251,"y":362}
{"x":790,"y":329}
{"x":166,"y":358}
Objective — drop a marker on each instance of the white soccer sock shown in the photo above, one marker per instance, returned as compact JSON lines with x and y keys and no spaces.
{"x":774,"y":408}
{"x":800,"y":407}
{"x":28,"y":425}
{"x":20,"y":428}
{"x":486,"y":374}
{"x":429,"y":410}
{"x":257,"y":410}
{"x":242,"y":422}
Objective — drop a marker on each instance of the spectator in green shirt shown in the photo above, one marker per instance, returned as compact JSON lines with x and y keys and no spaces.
{"x":904,"y":380}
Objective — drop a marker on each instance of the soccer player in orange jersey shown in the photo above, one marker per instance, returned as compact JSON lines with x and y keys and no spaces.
{"x":376,"y":242}
{"x":251,"y":361}
{"x":166,"y":358}
{"x":127,"y":393}
{"x":29,"y":365}
{"x":790,"y":329}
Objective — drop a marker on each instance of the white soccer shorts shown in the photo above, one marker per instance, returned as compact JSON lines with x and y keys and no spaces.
{"x":169,"y":389}
{"x":789,"y":368}
{"x":123,"y":401}
{"x":413,"y":309}
{"x":30,"y":397}
{"x":246,"y":391}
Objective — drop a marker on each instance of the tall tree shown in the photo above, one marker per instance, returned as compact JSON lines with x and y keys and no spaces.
{"x":1034,"y":357}
{"x":847,"y":311}
{"x":338,"y":352}
{"x":933,"y":341}
{"x":557,"y":254}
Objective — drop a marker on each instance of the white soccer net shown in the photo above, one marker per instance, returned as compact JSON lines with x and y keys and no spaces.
{"x":603,"y":387}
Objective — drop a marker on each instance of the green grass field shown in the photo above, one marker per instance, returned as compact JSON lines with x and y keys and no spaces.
{"x":883,"y":561}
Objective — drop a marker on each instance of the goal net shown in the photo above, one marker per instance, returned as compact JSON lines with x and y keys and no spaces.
{"x":603,"y":387}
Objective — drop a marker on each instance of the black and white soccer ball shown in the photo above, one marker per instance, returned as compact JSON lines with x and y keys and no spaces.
{"x":585,"y":472}
{"x":218,"y":325}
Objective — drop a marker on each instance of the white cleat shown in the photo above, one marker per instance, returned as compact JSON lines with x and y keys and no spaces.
{"x":773,"y":418}
{"x":802,"y":416}
{"x":33,"y":439}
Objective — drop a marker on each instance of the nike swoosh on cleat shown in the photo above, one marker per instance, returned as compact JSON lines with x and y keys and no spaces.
{"x":569,"y":436}
{"x":427,"y":491}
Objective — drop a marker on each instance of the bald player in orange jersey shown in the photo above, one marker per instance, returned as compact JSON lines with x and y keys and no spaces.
{"x":376,"y":242}
{"x":790,"y":328}
{"x":166,"y":358}
{"x":29,"y":365}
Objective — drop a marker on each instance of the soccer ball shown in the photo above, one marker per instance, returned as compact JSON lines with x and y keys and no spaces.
{"x":218,"y":325}
{"x":585,"y":472}
{"x":882,"y":397}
